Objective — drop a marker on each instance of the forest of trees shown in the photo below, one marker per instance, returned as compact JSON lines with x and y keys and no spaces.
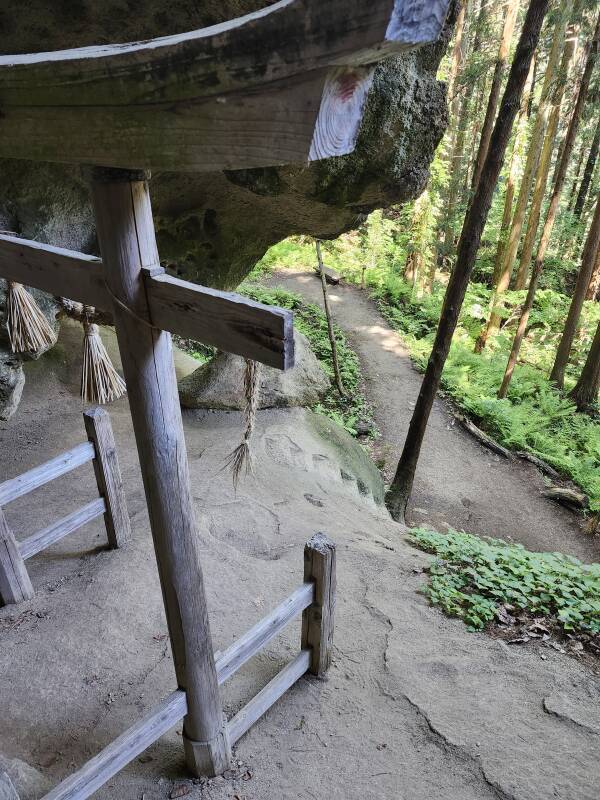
{"x":509,"y":223}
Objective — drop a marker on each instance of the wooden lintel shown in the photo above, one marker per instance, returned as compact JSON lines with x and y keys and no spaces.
{"x":225,"y":320}
{"x":250,"y":92}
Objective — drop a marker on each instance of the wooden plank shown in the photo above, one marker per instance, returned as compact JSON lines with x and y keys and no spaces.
{"x":245,"y":93}
{"x":318,"y":619}
{"x":263,"y":701}
{"x":126,"y":235}
{"x":15,"y":585}
{"x":108,"y":475}
{"x":122,"y":751}
{"x":228,"y":662}
{"x":38,"y":476}
{"x":55,"y":270}
{"x":226,"y":320}
{"x":58,"y":530}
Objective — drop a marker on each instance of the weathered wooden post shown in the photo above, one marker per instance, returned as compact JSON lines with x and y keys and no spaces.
{"x":318,"y":618}
{"x":108,"y":475}
{"x":127,"y":242}
{"x":15,"y":585}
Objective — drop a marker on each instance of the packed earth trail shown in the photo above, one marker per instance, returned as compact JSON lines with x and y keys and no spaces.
{"x":459,"y":483}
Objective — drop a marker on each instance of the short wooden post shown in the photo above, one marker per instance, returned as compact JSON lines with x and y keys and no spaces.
{"x":127,"y":242}
{"x":318,"y":618}
{"x":108,"y":475}
{"x":15,"y":585}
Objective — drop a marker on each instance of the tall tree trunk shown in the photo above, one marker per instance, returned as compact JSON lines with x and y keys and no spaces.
{"x":509,"y":250}
{"x":468,"y":246}
{"x":510,"y":17}
{"x":585,"y":391}
{"x":457,"y":51}
{"x":501,"y":280}
{"x":576,"y":174}
{"x":536,"y":141}
{"x":561,"y":175}
{"x":543,"y":170}
{"x":591,"y":257}
{"x":594,"y":286}
{"x":588,"y":172}
{"x":456,"y":161}
{"x":332,"y":342}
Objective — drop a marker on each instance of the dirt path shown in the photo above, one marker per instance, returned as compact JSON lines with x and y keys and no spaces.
{"x":459,"y":482}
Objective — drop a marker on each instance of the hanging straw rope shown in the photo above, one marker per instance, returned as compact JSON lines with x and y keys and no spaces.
{"x":28,"y":329}
{"x":242,"y":455}
{"x":100,"y":381}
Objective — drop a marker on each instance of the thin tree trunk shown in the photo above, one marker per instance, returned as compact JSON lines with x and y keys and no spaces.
{"x":587,"y":173}
{"x":573,"y":193}
{"x":510,"y":12}
{"x":594,"y":287}
{"x":468,"y":246}
{"x":501,"y":279}
{"x":509,"y":249}
{"x":591,"y":258}
{"x":536,"y":142}
{"x":455,"y":174}
{"x":543,"y":170}
{"x":586,"y":389}
{"x":555,"y":197}
{"x":332,"y":342}
{"x":457,"y":50}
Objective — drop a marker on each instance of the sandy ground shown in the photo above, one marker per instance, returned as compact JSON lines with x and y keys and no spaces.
{"x":458,"y":482}
{"x":415,"y":707}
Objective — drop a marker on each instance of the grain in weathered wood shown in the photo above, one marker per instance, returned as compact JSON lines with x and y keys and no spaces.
{"x":251,"y":642}
{"x":60,"y":272}
{"x":122,"y":751}
{"x":15,"y":585}
{"x":58,"y":530}
{"x":127,"y":242}
{"x":318,"y":618}
{"x":263,"y":701}
{"x":38,"y":476}
{"x":215,"y":98}
{"x":226,"y":320}
{"x":108,"y":475}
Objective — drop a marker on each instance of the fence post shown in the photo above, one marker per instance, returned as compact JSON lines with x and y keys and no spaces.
{"x":15,"y":585}
{"x":108,"y":475}
{"x":318,"y":618}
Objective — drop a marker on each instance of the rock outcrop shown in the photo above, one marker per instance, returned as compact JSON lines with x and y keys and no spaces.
{"x":212,"y":228}
{"x":219,"y":384}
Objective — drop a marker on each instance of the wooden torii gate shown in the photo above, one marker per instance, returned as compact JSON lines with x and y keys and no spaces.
{"x":286,"y":84}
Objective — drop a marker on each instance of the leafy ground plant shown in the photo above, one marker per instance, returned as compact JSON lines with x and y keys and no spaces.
{"x":483,"y":580}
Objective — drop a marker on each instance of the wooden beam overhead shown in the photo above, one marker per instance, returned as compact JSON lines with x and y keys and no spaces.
{"x":225,"y":320}
{"x":254,"y":91}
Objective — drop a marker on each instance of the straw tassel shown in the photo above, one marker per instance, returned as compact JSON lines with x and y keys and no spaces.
{"x":100,"y":381}
{"x":242,"y":455}
{"x":28,"y":329}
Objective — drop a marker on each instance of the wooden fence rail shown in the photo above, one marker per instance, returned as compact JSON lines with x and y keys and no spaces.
{"x":15,"y":585}
{"x":314,"y":598}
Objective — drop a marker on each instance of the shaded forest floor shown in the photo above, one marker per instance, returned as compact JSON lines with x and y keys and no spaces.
{"x":459,"y":483}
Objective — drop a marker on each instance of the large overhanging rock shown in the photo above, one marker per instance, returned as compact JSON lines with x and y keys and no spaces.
{"x":213,"y":227}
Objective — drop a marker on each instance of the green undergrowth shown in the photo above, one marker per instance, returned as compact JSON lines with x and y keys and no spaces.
{"x":535,"y":416}
{"x":310,"y":320}
{"x":475,"y":578}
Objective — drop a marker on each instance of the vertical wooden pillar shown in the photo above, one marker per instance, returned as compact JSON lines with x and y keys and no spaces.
{"x":318,"y":618}
{"x":15,"y":585}
{"x":108,"y":475}
{"x":127,"y":242}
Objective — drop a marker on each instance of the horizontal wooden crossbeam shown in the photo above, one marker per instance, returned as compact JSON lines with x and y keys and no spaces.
{"x":63,"y":527}
{"x":225,"y":320}
{"x":282,"y":85}
{"x":38,"y":476}
{"x":248,"y":645}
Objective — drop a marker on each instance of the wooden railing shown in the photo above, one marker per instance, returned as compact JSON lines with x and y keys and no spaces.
{"x":315,"y":599}
{"x":15,"y":584}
